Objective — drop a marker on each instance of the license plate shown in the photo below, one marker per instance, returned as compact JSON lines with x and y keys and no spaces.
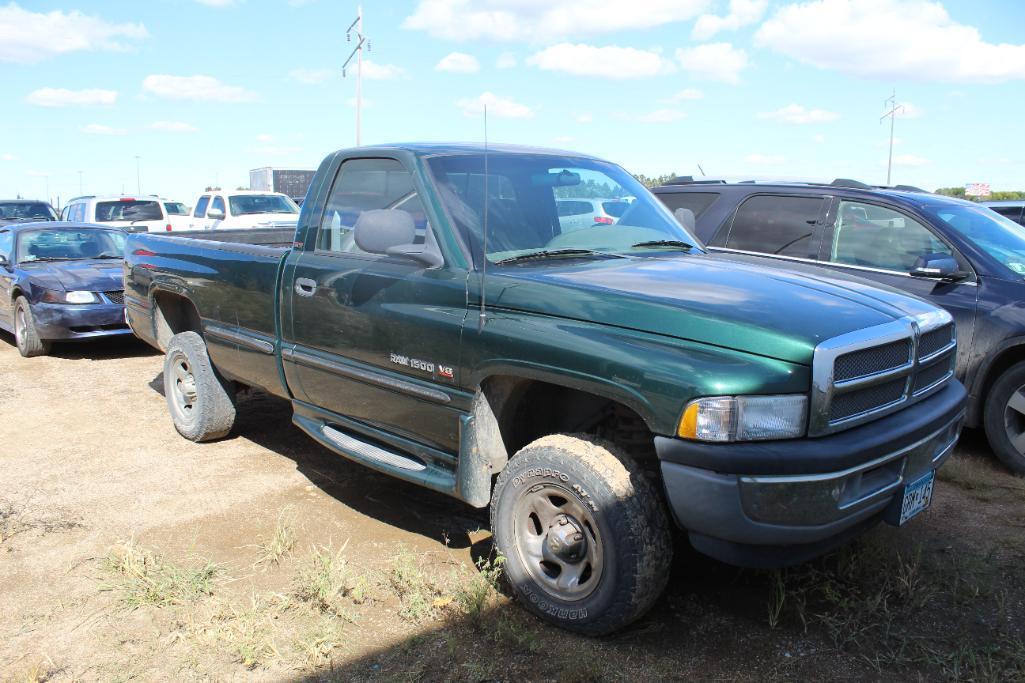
{"x":917,"y":497}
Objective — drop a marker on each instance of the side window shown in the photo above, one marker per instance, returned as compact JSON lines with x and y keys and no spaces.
{"x":201,"y":205}
{"x":1012,"y":212}
{"x":217,"y":204}
{"x":878,"y":237}
{"x":6,"y":244}
{"x":782,"y":226}
{"x":365,"y":185}
{"x":572,"y":208}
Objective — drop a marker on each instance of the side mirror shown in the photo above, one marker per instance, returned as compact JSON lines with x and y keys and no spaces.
{"x":215,"y":214}
{"x":392,"y":232}
{"x":4,"y":263}
{"x":937,"y":267}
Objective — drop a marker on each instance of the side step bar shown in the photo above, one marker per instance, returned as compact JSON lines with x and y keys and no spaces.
{"x":367,"y":450}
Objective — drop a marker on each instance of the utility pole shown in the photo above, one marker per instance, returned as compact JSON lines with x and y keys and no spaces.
{"x":895,"y":109}
{"x":357,"y":52}
{"x":138,"y":176}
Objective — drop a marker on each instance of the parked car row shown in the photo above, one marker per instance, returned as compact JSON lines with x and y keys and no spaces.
{"x":586,"y":367}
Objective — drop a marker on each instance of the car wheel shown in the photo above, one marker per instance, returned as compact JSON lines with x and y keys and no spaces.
{"x":25,"y":334}
{"x":1004,"y":417}
{"x":583,"y":532}
{"x":201,"y":402}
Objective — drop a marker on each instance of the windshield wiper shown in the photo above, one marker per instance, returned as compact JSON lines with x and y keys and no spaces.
{"x":117,"y":256}
{"x":52,"y":258}
{"x":677,"y":244}
{"x":553,"y":253}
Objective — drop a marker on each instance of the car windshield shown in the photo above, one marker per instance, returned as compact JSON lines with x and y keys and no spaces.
{"x":176,"y":209}
{"x":69,"y":245}
{"x":1000,"y":237}
{"x":243,"y":204}
{"x":539,"y":204}
{"x":128,"y":210}
{"x":16,"y":211}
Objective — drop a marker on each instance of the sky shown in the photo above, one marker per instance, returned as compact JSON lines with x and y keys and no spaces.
{"x":192,"y":93}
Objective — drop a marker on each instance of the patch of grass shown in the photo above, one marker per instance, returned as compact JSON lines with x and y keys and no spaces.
{"x":325,"y":578}
{"x":142,"y":577}
{"x":281,"y":543}
{"x":421,"y":598}
{"x":246,"y":632}
{"x":474,"y":594}
{"x":21,"y":517}
{"x":317,"y":642}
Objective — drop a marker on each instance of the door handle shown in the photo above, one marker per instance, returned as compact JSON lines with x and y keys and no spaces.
{"x":304,"y":286}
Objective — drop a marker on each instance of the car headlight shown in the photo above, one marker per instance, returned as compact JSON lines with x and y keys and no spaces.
{"x":54,"y":297}
{"x":744,"y":418}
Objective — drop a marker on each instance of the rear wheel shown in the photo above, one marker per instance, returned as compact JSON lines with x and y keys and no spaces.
{"x":201,"y":402}
{"x":25,"y":334}
{"x":583,"y":532}
{"x":1004,"y":418}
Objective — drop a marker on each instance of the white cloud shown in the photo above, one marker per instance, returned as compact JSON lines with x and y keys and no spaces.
{"x":795,"y":113}
{"x":540,"y":20}
{"x":607,"y":62}
{"x":764,"y":159}
{"x":216,"y":3}
{"x":60,"y":97}
{"x":662,"y":116}
{"x":714,"y":61}
{"x":264,"y":137}
{"x":458,"y":62}
{"x":742,"y":13}
{"x":497,"y":106}
{"x":27,"y":37}
{"x":909,"y":111}
{"x":100,"y":129}
{"x":8,"y":157}
{"x":312,"y":76}
{"x":506,"y":60}
{"x":818,"y":138}
{"x":685,"y":95}
{"x":909,"y":160}
{"x":563,"y":139}
{"x":196,"y":88}
{"x":379,"y":72}
{"x":586,"y":117}
{"x":173,"y":126}
{"x":892,"y":39}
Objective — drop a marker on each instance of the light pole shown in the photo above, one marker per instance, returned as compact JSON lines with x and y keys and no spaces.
{"x":138,"y":176}
{"x":895,"y":109}
{"x":357,"y":52}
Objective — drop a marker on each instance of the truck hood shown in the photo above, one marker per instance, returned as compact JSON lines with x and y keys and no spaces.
{"x":104,"y":275}
{"x":704,"y":298}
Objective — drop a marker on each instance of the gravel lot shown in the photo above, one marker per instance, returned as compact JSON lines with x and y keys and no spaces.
{"x":127,"y":552}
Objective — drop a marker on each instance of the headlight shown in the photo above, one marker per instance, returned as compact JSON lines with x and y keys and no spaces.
{"x":744,"y":418}
{"x":53,"y":297}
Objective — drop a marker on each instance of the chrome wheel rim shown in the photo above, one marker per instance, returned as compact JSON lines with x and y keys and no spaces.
{"x":1014,"y":419}
{"x":184,"y":395}
{"x":20,"y":323}
{"x":558,"y":542}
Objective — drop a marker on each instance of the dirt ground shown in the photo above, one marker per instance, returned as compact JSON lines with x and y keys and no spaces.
{"x":127,"y":552}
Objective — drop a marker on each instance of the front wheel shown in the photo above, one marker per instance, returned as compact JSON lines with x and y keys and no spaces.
{"x":583,"y":532}
{"x":1004,"y":417}
{"x":202,"y":404}
{"x":25,"y":334}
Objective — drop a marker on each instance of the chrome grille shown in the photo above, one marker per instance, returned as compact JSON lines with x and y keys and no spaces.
{"x":117,"y":297}
{"x":869,"y":373}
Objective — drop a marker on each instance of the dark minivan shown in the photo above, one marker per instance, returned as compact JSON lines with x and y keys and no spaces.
{"x":954,"y":253}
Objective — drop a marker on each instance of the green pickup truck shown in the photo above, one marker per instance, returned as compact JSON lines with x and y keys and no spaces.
{"x":434,"y":317}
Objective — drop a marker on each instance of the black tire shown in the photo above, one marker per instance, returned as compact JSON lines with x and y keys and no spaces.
{"x":621,"y":567}
{"x":26,"y":337}
{"x":1005,"y":425}
{"x":202,"y":404}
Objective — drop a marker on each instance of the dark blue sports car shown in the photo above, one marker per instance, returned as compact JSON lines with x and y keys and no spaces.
{"x":60,"y":281}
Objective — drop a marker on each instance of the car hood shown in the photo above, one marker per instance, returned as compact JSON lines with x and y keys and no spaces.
{"x":71,"y":276}
{"x":703,"y":298}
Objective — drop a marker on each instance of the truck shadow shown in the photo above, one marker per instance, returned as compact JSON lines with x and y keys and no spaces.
{"x":267,"y":421}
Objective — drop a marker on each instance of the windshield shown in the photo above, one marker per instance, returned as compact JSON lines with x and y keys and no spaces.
{"x":128,"y":210}
{"x":176,"y":209}
{"x":69,"y":245}
{"x":243,"y":204}
{"x":14,"y":211}
{"x":543,"y":203}
{"x":1000,"y":237}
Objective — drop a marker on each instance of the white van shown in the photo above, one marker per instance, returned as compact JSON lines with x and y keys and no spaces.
{"x":217,"y":210}
{"x":138,"y":214}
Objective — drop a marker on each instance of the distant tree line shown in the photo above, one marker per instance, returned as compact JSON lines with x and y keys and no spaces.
{"x":995,"y":196}
{"x":654,"y":181}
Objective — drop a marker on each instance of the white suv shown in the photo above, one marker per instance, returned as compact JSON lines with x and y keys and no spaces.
{"x":217,"y":210}
{"x":138,"y":214}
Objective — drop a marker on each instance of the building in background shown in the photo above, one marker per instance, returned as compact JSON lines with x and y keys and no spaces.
{"x":289,"y":181}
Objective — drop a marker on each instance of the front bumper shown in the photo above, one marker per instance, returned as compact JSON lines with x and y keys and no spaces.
{"x":79,"y":321}
{"x":778,"y":503}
